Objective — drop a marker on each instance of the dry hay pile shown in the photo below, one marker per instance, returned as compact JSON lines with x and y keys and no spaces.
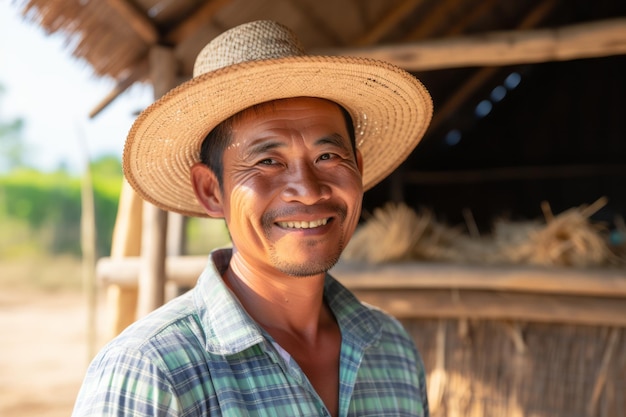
{"x":569,"y":239}
{"x":398,"y":233}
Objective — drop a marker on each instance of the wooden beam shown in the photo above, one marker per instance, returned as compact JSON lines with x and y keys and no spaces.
{"x":198,"y":19}
{"x":418,"y":290}
{"x":585,"y":40}
{"x":514,"y":173}
{"x":484,"y":305}
{"x":140,"y":24}
{"x":437,"y":16}
{"x":185,"y":270}
{"x":318,"y":23}
{"x":388,"y":22}
{"x":139,"y":72}
{"x":598,"y":282}
{"x":481,"y":76}
{"x":479,"y":9}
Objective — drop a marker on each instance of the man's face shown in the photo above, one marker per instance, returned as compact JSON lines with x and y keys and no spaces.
{"x":292,"y":187}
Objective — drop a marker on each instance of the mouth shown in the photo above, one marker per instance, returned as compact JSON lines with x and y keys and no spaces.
{"x":303,"y":224}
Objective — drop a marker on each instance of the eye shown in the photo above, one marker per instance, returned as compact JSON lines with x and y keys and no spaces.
{"x":267,"y":161}
{"x":326,"y":156}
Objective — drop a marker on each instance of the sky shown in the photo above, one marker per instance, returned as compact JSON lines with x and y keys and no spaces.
{"x":53,"y":93}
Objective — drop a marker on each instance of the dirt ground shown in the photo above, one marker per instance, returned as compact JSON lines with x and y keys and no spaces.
{"x":43,"y":351}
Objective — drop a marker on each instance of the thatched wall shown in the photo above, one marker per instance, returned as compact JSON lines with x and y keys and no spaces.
{"x":491,"y":368}
{"x":529,"y":321}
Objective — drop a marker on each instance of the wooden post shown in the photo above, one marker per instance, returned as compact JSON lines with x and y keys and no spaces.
{"x":152,"y":271}
{"x":122,"y":300}
{"x":163,"y":69}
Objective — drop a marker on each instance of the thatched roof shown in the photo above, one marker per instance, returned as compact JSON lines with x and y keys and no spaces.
{"x":460,"y":49}
{"x":114,"y":36}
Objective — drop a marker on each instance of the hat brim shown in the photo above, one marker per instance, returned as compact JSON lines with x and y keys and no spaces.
{"x":390,"y":108}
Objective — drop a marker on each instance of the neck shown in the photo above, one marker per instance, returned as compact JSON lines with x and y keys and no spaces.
{"x":278,"y":301}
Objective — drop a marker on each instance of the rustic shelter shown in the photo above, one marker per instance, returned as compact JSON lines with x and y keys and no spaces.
{"x":529,"y":108}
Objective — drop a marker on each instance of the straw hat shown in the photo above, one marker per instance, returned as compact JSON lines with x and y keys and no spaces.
{"x":258,"y":62}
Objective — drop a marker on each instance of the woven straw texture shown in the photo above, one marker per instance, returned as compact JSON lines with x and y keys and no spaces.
{"x":390,"y":108}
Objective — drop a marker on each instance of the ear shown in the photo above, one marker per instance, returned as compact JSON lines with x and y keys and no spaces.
{"x":207,"y":189}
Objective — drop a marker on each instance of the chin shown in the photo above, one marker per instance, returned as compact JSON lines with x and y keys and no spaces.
{"x":304,"y":268}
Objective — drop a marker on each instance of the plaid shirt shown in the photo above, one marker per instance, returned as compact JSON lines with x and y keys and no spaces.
{"x":202,"y":355}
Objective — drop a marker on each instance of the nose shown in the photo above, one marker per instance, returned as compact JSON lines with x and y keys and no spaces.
{"x":305,"y":184}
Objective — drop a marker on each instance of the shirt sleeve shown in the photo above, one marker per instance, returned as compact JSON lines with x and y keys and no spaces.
{"x":125,"y":382}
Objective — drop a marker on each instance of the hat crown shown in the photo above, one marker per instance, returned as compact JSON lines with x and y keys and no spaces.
{"x":254,"y":41}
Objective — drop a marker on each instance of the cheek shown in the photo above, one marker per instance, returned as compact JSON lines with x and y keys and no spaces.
{"x":240,"y":202}
{"x":350,"y":190}
{"x":355,"y":215}
{"x":247,"y":203}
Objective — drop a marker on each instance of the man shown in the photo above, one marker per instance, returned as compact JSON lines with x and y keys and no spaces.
{"x":281,"y":145}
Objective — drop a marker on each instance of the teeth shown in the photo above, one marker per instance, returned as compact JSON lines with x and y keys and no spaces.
{"x":303,"y":225}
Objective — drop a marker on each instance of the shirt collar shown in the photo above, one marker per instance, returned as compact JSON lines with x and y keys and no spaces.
{"x":229,"y":329}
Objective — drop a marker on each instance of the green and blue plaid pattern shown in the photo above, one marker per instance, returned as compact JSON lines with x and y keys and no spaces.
{"x":202,"y":355}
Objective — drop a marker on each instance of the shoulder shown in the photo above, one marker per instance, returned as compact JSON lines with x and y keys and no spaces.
{"x":169,"y":341}
{"x":147,"y":365}
{"x":158,"y":330}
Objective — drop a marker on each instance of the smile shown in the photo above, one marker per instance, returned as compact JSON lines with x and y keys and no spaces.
{"x":303,"y":225}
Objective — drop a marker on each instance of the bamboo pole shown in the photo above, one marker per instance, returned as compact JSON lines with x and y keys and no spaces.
{"x":163,"y":68}
{"x":88,"y":248}
{"x":126,"y":242}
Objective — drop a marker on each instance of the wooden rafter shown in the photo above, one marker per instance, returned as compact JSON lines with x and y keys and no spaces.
{"x":584,"y":40}
{"x":199,"y":18}
{"x":471,"y":85}
{"x":320,"y":23}
{"x":436,"y":18}
{"x":384,"y":25}
{"x":479,"y":10}
{"x":140,"y":72}
{"x":149,"y":34}
{"x":137,"y":20}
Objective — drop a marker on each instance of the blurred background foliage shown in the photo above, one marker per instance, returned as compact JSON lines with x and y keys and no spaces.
{"x":40,"y":212}
{"x":40,"y":215}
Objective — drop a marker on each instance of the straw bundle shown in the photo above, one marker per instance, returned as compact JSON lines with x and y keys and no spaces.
{"x":569,"y":239}
{"x":396,"y":232}
{"x":387,"y":236}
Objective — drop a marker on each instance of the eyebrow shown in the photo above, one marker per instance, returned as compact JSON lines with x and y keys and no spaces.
{"x":334,"y":139}
{"x":262,"y":146}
